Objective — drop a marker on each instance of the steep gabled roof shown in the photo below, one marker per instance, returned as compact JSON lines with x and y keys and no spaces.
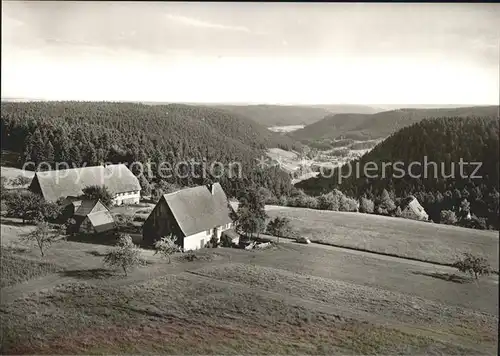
{"x":197,"y":209}
{"x":102,"y":221}
{"x":407,"y":200}
{"x":70,"y":182}
{"x":90,"y":206}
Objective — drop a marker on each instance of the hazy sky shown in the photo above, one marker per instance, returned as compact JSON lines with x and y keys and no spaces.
{"x":285,"y":53}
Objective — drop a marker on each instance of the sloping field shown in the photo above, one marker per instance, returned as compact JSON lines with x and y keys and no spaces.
{"x":186,"y":314}
{"x":382,"y":305}
{"x":290,"y":299}
{"x":402,"y":237}
{"x":15,"y":269}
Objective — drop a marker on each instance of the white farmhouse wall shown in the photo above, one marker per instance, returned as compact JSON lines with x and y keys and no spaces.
{"x":196,"y":241}
{"x":127,"y":198}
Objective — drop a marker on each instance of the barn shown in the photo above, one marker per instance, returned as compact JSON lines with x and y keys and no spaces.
{"x":193,"y":215}
{"x":69,"y":183}
{"x":411,"y":209}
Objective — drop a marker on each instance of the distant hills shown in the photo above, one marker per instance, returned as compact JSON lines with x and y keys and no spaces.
{"x":443,"y":140}
{"x":382,"y":124}
{"x":269,"y":115}
{"x":283,"y":115}
{"x":277,"y":115}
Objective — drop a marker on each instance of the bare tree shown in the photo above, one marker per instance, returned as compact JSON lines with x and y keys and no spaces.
{"x":44,"y":235}
{"x":474,"y":265}
{"x":125,"y":255}
{"x":167,"y":246}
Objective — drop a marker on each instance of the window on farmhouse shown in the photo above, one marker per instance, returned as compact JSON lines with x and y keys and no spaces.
{"x":208,"y":232}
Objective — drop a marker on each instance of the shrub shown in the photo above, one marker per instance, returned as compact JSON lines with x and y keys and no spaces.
{"x":145,"y":186}
{"x":329,"y":201}
{"x":31,"y":207}
{"x":280,"y":227}
{"x":156,"y":194}
{"x":348,"y":204}
{"x":474,"y":265}
{"x":283,"y":201}
{"x":96,"y":192}
{"x":190,"y":256}
{"x":44,"y":235}
{"x":125,"y":255}
{"x":310,"y":202}
{"x":225,"y":240}
{"x":298,"y":199}
{"x":474,"y":223}
{"x":385,"y":204}
{"x":123,"y":220}
{"x":213,"y":242}
{"x":272,"y":200}
{"x":337,"y":201}
{"x":167,"y":246}
{"x":366,"y":206}
{"x":448,"y":217}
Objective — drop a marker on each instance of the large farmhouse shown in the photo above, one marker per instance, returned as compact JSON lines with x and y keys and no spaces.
{"x":68,"y":183}
{"x":193,"y":215}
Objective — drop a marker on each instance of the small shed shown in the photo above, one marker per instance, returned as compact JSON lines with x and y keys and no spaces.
{"x":92,"y":217}
{"x":95,"y":223}
{"x":411,"y":209}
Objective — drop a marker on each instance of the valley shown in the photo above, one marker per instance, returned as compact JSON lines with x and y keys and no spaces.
{"x":285,"y":129}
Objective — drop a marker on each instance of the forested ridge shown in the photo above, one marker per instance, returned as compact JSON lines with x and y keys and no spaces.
{"x":277,"y":115}
{"x":382,"y":124}
{"x":96,"y":132}
{"x":441,"y":140}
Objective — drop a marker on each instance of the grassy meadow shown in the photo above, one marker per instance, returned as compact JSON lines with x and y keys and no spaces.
{"x":396,"y":236}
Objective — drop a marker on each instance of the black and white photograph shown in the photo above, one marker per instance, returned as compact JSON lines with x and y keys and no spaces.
{"x":249,"y":178}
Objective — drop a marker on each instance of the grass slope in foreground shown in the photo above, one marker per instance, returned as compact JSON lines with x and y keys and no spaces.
{"x":293,"y":299}
{"x":190,"y":316}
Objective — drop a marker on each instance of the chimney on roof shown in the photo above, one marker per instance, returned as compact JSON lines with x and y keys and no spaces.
{"x":211,"y":188}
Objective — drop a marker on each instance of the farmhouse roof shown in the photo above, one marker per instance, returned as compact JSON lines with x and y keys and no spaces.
{"x":70,"y":182}
{"x":90,"y":206}
{"x":198,"y":209}
{"x":102,"y":221}
{"x":407,"y":200}
{"x":76,"y":204}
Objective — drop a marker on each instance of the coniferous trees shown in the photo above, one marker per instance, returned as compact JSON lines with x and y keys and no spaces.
{"x":90,"y":133}
{"x":435,"y":147}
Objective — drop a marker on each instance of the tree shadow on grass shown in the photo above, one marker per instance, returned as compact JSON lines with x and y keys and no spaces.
{"x":12,"y":222}
{"x":445,"y":277}
{"x":94,"y":273}
{"x":99,"y":239}
{"x":97,"y":253}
